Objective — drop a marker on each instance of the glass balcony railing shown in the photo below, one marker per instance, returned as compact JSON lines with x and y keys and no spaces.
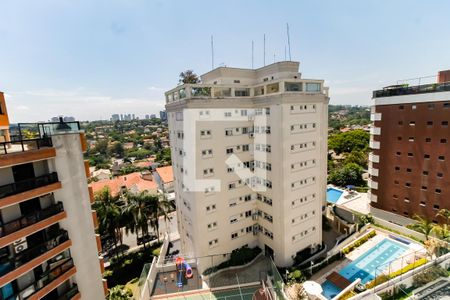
{"x":18,"y":145}
{"x":30,"y":219}
{"x":69,"y":293}
{"x":399,"y":90}
{"x":29,"y":254}
{"x":42,"y":280}
{"x":28,"y":184}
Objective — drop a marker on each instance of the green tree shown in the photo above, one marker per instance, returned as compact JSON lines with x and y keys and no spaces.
{"x":422,"y":225}
{"x":188,"y":76}
{"x":117,"y":149}
{"x":350,"y":174}
{"x":101,"y":147}
{"x":442,"y":232}
{"x":358,"y":157}
{"x":109,"y":212}
{"x":159,"y":207}
{"x":444,"y":213}
{"x":346,"y":142}
{"x":119,"y":292}
{"x":138,"y":212}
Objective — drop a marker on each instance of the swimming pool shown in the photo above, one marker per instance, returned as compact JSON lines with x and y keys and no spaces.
{"x":333,"y":195}
{"x":365,"y":266}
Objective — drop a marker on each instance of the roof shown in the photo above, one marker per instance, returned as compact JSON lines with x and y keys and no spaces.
{"x":166,"y":174}
{"x":133,"y":182}
{"x":101,"y":171}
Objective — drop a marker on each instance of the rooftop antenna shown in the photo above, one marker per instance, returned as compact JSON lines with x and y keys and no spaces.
{"x":285,"y":53}
{"x":289,"y":40}
{"x":274,"y":58}
{"x":264,"y":60}
{"x":212,"y":52}
{"x":252,"y":54}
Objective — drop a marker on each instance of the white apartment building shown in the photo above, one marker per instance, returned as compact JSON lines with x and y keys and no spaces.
{"x":249,"y":156}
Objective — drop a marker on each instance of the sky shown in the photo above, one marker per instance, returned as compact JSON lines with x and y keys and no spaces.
{"x":90,"y":59}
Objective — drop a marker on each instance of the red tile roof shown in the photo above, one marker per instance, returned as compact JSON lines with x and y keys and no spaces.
{"x":131,"y":181}
{"x":166,"y":174}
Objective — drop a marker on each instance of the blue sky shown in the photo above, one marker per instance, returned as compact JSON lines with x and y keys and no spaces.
{"x":90,"y":59}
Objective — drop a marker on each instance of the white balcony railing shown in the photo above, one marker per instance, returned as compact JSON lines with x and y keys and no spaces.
{"x":373,"y":171}
{"x":375,"y":117}
{"x":375,"y":131}
{"x":374,"y":144}
{"x":374,"y":158}
{"x":373,"y":184}
{"x":372,"y":197}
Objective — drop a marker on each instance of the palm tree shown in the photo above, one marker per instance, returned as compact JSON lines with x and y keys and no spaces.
{"x":445,"y":213}
{"x":423,"y":225}
{"x":189,"y":76}
{"x":108,"y":214}
{"x":159,"y":207}
{"x":443,"y":232}
{"x":138,"y":211}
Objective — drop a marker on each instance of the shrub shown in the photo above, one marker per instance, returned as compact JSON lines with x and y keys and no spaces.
{"x":156,"y":252}
{"x":238,"y":257}
{"x":429,"y":275}
{"x":359,"y":242}
{"x":383,"y":278}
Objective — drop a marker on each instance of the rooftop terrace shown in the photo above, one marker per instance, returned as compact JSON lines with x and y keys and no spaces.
{"x":404,"y":89}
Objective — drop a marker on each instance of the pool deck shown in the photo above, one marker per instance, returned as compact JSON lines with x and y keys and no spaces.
{"x":320,"y":277}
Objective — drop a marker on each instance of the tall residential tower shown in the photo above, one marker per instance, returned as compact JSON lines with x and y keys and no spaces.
{"x":249,"y":152}
{"x":48,"y":248}
{"x":410,"y":160}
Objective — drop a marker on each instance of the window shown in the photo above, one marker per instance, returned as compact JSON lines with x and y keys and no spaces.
{"x":396,"y":182}
{"x":401,"y":107}
{"x":425,"y":173}
{"x":436,"y":207}
{"x":443,"y":141}
{"x":234,"y":235}
{"x":431,"y":106}
{"x":414,"y":106}
{"x":399,"y":138}
{"x":237,"y":81}
{"x":227,"y":114}
{"x":446,"y":105}
{"x":441,"y":157}
{"x":424,"y":188}
{"x":430,"y":123}
{"x":410,"y":154}
{"x":426,"y":156}
{"x":398,"y":153}
{"x":312,"y":87}
{"x":408,"y":170}
{"x":397,"y":168}
{"x":440,"y":175}
{"x":230,"y":150}
{"x":411,"y":139}
{"x":438,"y":191}
{"x":408,"y":184}
{"x":400,"y":122}
{"x":406,"y":200}
{"x":427,"y":140}
{"x":422,"y":203}
{"x":412,"y":123}
{"x":444,"y":123}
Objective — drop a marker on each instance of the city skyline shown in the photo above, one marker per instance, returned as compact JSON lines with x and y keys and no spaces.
{"x":358,"y":47}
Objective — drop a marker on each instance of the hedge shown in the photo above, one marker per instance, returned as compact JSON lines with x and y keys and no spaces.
{"x":238,"y":257}
{"x":383,"y":278}
{"x":359,"y":242}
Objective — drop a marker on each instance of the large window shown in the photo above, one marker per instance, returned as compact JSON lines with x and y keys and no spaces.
{"x":312,"y":87}
{"x":293,"y":86}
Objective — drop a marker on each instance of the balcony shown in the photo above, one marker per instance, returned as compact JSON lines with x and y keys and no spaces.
{"x":70,"y":293}
{"x":19,"y":145}
{"x":30,"y":219}
{"x":27,"y":189}
{"x":400,"y":90}
{"x":47,"y":281}
{"x":29,"y":254}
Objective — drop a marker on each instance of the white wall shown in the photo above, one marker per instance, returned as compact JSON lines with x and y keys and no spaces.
{"x":79,"y":223}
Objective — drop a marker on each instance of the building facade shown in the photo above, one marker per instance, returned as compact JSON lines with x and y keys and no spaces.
{"x":249,"y":157}
{"x":4,"y":120}
{"x":410,"y":161}
{"x":48,"y":247}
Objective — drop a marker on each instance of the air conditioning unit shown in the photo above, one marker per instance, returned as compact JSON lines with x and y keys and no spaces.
{"x":20,"y":245}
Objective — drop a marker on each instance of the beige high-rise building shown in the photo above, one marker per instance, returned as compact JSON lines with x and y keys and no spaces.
{"x":48,"y":247}
{"x":249,"y":156}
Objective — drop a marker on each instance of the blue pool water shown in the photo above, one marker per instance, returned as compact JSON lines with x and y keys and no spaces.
{"x":333,"y":195}
{"x":364,"y":267}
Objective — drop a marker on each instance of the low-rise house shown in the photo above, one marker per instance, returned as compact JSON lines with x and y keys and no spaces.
{"x":164,"y":178}
{"x":135,"y":183}
{"x":101,"y":174}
